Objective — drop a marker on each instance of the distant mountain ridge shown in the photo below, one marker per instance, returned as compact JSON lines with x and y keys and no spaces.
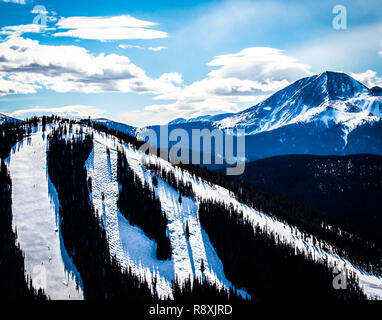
{"x":327,"y":97}
{"x":6,"y":119}
{"x":212,"y":118}
{"x":110,"y":124}
{"x":326,"y":114}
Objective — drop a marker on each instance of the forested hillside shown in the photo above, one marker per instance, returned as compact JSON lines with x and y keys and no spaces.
{"x":83,"y":234}
{"x":347,"y":188}
{"x":265,"y":265}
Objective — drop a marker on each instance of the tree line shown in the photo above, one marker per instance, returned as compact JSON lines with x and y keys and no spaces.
{"x":83,"y":232}
{"x":183,"y":187}
{"x":10,"y":134}
{"x":85,"y":237}
{"x":265,"y":265}
{"x":139,"y":204}
{"x":309,"y":221}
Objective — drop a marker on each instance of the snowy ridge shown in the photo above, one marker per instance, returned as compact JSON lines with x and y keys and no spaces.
{"x":187,"y":257}
{"x":328,"y":97}
{"x":207,"y":118}
{"x":371,"y":284}
{"x":129,"y":244}
{"x":7,"y":119}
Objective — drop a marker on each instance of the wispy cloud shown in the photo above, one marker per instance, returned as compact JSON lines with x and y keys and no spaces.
{"x":23,"y":28}
{"x":129,"y":46}
{"x":108,"y":28}
{"x":159,"y":48}
{"x":369,"y":78}
{"x":15,"y":1}
{"x":259,"y":64}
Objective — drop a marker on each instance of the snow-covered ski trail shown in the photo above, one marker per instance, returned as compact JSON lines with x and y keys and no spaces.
{"x":130,"y":244}
{"x":35,"y":217}
{"x":371,"y":284}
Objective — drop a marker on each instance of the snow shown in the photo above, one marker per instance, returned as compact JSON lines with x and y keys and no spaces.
{"x":295,"y":104}
{"x":35,"y":217}
{"x":35,"y":206}
{"x":130,"y":245}
{"x":187,"y":255}
{"x":371,"y":284}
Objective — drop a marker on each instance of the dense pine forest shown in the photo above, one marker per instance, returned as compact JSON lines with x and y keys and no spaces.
{"x":140,"y":206}
{"x":10,"y":133}
{"x":201,"y":289}
{"x":82,"y":230}
{"x":264,"y":265}
{"x":184,"y":188}
{"x":348,"y":188}
{"x":354,"y":247}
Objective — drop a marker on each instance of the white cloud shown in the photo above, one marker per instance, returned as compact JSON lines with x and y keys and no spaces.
{"x":30,"y":65}
{"x":15,"y":87}
{"x":239,"y":80}
{"x":259,"y":64}
{"x":172,"y":77}
{"x":163,"y":113}
{"x":159,"y":48}
{"x":23,"y":28}
{"x":26,"y":66}
{"x":369,"y":78}
{"x":108,"y":28}
{"x":80,"y":111}
{"x":129,"y":46}
{"x":15,"y":1}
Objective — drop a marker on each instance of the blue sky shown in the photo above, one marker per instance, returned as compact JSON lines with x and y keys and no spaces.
{"x":147,"y":62}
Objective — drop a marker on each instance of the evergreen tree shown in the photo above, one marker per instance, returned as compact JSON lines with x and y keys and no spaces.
{"x":187,"y":231}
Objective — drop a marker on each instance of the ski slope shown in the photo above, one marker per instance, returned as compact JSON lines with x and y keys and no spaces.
{"x":129,"y":243}
{"x":187,"y":255}
{"x":35,"y":217}
{"x":371,"y":284}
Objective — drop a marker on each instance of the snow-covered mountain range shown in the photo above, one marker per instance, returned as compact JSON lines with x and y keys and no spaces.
{"x":328,"y":113}
{"x":7,"y":119}
{"x":208,"y":118}
{"x":328,"y":98}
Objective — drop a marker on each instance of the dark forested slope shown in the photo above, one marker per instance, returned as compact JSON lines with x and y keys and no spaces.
{"x":348,"y":188}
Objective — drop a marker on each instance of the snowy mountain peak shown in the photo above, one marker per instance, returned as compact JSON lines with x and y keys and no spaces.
{"x":309,"y":99}
{"x":339,"y":85}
